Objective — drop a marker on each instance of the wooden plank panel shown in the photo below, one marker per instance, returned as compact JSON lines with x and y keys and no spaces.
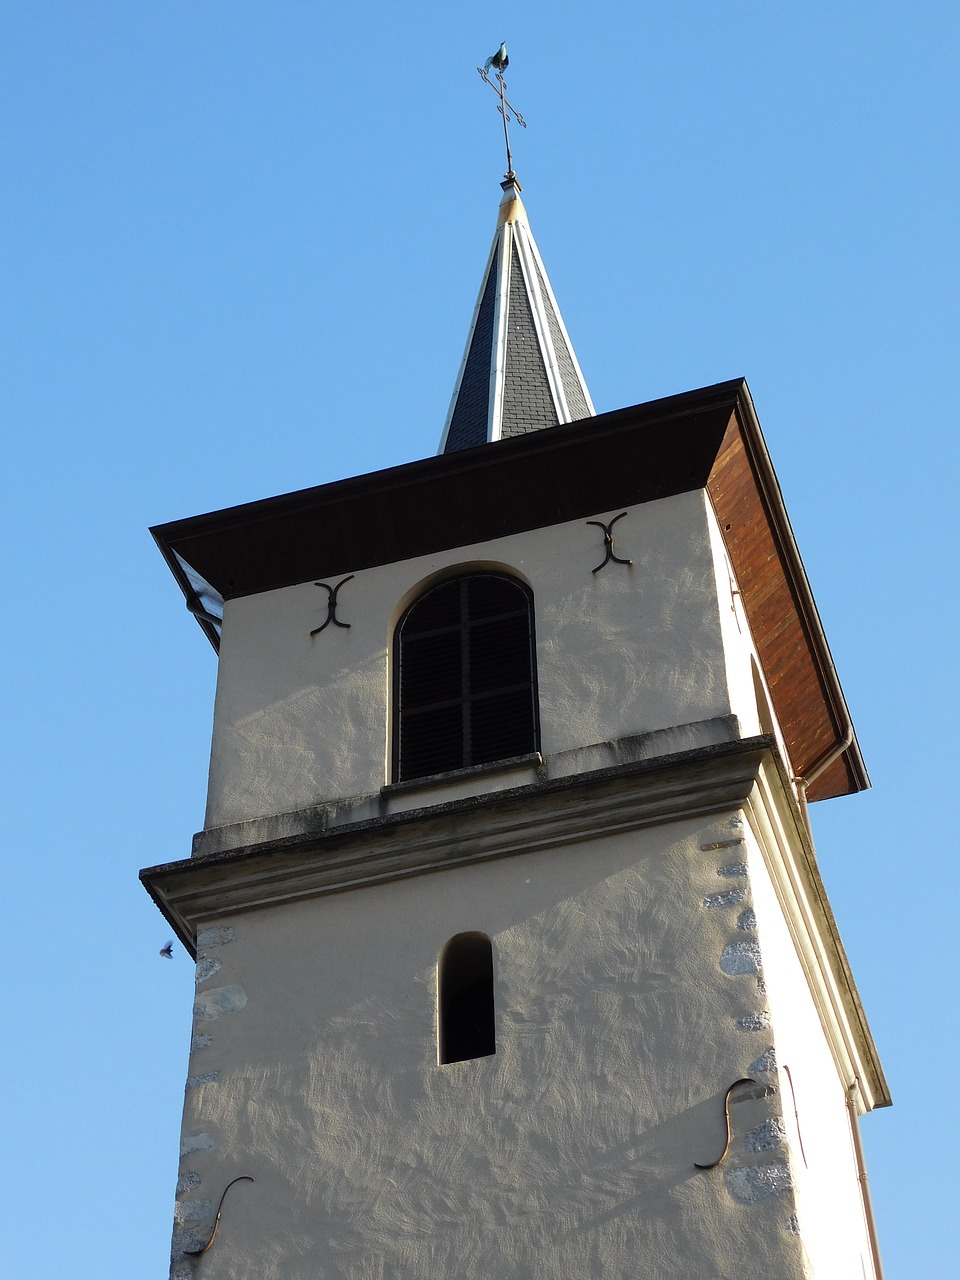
{"x":785,"y":645}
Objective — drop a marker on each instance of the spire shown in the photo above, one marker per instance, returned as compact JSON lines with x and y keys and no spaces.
{"x":519,"y":372}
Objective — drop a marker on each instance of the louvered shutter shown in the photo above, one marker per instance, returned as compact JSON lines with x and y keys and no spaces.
{"x":465,"y":676}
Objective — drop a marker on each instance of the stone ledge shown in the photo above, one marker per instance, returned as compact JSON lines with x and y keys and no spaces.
{"x":545,"y":814}
{"x":465,"y":784}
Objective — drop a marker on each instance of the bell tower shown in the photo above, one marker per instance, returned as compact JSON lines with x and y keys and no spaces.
{"x":513,"y":958}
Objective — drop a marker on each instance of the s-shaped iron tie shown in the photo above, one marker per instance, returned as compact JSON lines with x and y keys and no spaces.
{"x":332,"y":605}
{"x":608,"y":542}
{"x":726,"y":1112}
{"x":195,"y":1253}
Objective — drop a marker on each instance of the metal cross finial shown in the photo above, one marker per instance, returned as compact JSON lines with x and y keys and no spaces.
{"x":499,"y":62}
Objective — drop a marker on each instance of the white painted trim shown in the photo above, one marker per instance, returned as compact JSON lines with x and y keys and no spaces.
{"x":790,"y":860}
{"x":563,"y":328}
{"x":501,"y":319}
{"x":541,"y":324}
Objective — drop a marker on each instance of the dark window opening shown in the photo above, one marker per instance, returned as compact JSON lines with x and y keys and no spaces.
{"x":465,"y":1011}
{"x":466,"y":677}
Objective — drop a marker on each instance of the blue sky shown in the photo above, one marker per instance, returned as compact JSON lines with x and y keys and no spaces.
{"x":241,"y":244}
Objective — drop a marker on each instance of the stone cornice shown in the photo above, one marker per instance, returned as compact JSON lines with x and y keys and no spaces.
{"x":545,"y":814}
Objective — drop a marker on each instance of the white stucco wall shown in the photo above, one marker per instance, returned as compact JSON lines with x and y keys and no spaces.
{"x":621,"y":1021}
{"x":303,"y":719}
{"x":743,"y":671}
{"x":637,"y":976}
{"x":735,"y":630}
{"x":816,"y":1125}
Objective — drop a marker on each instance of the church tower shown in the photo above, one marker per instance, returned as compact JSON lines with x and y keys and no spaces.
{"x":513,"y":958}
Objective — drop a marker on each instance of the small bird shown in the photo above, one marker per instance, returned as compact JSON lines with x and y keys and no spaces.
{"x":498,"y":59}
{"x":167,"y":951}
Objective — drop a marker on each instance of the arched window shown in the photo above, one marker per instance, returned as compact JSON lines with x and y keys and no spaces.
{"x":465,"y":987}
{"x":465,"y":676}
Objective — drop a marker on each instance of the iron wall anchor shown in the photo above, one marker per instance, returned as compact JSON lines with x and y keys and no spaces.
{"x":726,"y":1112}
{"x":608,"y":542}
{"x":195,"y":1253}
{"x":332,"y":605}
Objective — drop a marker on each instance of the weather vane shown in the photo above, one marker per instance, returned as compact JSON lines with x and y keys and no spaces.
{"x":499,"y":61}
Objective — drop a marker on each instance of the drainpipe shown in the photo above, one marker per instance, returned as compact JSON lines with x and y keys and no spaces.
{"x":200,"y":612}
{"x":871,"y":1221}
{"x":818,"y":767}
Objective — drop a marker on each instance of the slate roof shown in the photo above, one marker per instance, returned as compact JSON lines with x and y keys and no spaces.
{"x":519,"y":372}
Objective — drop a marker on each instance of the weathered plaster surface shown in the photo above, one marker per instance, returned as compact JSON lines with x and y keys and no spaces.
{"x":766,"y":1136}
{"x":215,"y":937}
{"x":218,"y":1001}
{"x":733,"y":870}
{"x":302,"y":719}
{"x":193,"y":1142}
{"x":193,"y":1210}
{"x":206,"y":968}
{"x":740,"y":957}
{"x":766,"y":1063}
{"x":570,"y":1152}
{"x":751,"y":1184}
{"x":760,"y":1021}
{"x":638,"y":975}
{"x":207,"y":1077}
{"x":729,"y":898}
{"x":811,"y":1101}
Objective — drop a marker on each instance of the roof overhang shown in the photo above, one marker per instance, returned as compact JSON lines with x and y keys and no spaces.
{"x":705,"y":439}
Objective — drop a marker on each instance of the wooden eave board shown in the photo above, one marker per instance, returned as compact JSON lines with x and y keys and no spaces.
{"x":780,"y":608}
{"x":580,"y":469}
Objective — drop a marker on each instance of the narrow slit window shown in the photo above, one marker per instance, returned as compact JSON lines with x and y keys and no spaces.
{"x":466,"y":1013}
{"x":465,"y":677}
